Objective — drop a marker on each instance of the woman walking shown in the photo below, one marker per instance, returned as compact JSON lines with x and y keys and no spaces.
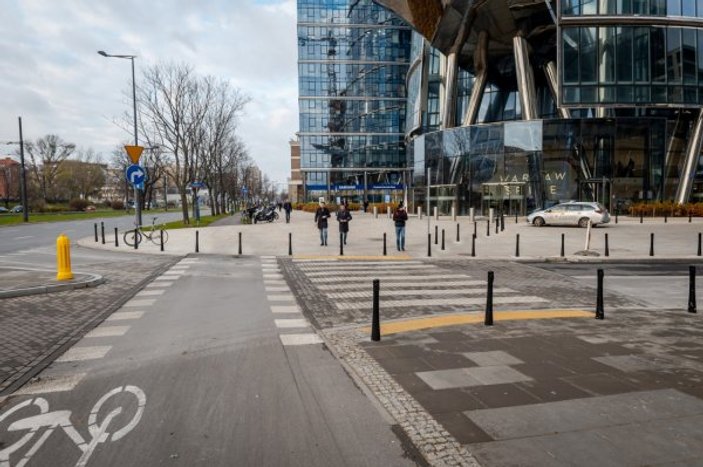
{"x":343,"y":217}
{"x":321,"y":216}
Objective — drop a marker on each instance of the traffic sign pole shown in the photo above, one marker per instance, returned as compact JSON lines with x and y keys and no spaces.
{"x":134,"y":153}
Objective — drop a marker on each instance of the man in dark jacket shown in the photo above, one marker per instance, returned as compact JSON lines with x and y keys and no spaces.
{"x":399,"y":218}
{"x":288,"y":208}
{"x":343,"y":217}
{"x":321,"y":216}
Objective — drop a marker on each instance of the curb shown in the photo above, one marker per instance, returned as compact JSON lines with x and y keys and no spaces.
{"x":92,"y":280}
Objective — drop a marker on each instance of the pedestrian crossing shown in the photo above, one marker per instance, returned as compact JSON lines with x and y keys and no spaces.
{"x":293,"y":328}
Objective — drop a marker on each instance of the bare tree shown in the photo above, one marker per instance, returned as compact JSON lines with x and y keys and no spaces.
{"x":82,"y":176}
{"x":46,"y":156}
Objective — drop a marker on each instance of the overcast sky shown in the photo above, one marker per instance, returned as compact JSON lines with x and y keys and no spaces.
{"x":52,"y":76}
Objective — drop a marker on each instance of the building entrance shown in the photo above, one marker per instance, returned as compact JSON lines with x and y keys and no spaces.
{"x":505,"y":197}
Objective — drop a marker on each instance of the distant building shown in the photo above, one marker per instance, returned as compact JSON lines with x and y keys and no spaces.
{"x":9,"y":180}
{"x":295,"y":183}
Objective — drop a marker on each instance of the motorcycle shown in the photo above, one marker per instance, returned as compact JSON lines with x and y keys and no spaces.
{"x":267,"y":214}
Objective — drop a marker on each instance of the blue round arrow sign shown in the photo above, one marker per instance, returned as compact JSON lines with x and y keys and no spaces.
{"x":135,"y":174}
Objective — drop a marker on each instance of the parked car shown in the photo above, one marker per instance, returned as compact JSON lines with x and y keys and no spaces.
{"x":17,"y":208}
{"x":571,"y":213}
{"x":3,"y":210}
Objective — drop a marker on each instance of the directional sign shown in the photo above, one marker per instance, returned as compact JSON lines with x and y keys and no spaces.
{"x":245,"y":190}
{"x":135,"y":174}
{"x":134,"y":153}
{"x":197,"y":185}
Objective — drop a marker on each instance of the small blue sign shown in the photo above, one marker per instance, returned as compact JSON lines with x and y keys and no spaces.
{"x":245,"y":190}
{"x":136,"y":175}
{"x":197,"y":185}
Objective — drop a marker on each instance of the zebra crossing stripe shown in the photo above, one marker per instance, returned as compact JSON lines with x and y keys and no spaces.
{"x":363,"y":265}
{"x":277,"y":289}
{"x":79,"y":354}
{"x":108,"y":331}
{"x":404,"y":292}
{"x":300,"y":339}
{"x":428,"y":302}
{"x":364,"y":284}
{"x":285,"y":309}
{"x":50,"y":384}
{"x":291,"y":323}
{"x":281,"y":298}
{"x":351,"y":278}
{"x":125,"y":315}
{"x":364,"y":270}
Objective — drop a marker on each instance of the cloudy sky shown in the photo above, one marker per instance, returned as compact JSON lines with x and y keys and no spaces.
{"x":53,"y":78}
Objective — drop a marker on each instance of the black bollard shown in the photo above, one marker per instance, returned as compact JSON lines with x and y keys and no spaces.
{"x":117,"y":241}
{"x":442,"y":239}
{"x":562,"y":245}
{"x":429,"y":245}
{"x":641,"y":216}
{"x":665,"y":218}
{"x":197,"y":241}
{"x":475,"y":226}
{"x":458,"y":236}
{"x":488,"y":318}
{"x":517,"y":245}
{"x":290,"y":244}
{"x":651,"y":244}
{"x":617,"y":211}
{"x":516,"y":217}
{"x":161,"y":239}
{"x":600,"y":314}
{"x":240,"y":243}
{"x":497,"y":224}
{"x":95,"y":227}
{"x":473,"y":245}
{"x":137,"y":237}
{"x":488,"y":228}
{"x":502,"y":222}
{"x":341,"y":243}
{"x":689,"y":217}
{"x":607,"y":248}
{"x":692,"y":289}
{"x":385,"y":251}
{"x":699,"y":244}
{"x":375,"y":317}
{"x":102,"y":232}
{"x":436,"y":235}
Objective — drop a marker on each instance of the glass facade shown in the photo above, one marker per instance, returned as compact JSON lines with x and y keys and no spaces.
{"x":353,"y":58}
{"x":690,"y":8}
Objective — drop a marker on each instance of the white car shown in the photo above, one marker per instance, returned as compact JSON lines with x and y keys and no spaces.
{"x":571,"y":213}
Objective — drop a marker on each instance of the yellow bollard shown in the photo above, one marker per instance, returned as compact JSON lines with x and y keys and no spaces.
{"x":63,"y":258}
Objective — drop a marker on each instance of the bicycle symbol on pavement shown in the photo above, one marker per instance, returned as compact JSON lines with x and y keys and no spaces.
{"x":98,"y":432}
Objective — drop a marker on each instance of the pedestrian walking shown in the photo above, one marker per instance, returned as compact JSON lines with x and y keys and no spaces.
{"x":399,"y":218}
{"x":343,"y":217}
{"x":366,"y":205}
{"x":288,"y":208}
{"x":321,"y":216}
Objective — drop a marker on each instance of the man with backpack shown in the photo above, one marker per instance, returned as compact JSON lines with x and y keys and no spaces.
{"x":399,"y":218}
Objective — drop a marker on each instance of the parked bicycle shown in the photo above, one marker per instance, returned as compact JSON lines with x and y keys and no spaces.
{"x":153,"y":233}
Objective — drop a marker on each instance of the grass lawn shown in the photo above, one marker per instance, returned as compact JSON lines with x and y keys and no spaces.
{"x":204,"y":222}
{"x":12,"y":219}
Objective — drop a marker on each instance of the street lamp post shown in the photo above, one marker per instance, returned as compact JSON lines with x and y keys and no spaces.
{"x":23,"y":175}
{"x":137,"y":197}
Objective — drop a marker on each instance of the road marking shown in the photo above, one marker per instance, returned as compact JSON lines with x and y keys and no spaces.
{"x":285,"y":309}
{"x":350,"y":258}
{"x":79,"y":354}
{"x":166,"y":278}
{"x":344,"y":264}
{"x":142,"y":302}
{"x":364,"y":284}
{"x":416,"y":324}
{"x":52,"y":384}
{"x":160,"y":284}
{"x":404,"y":292}
{"x":146,"y":293}
{"x":300,"y":339}
{"x":427,"y":302}
{"x":280,"y":298}
{"x":353,"y":270}
{"x":291,"y":323}
{"x":346,"y":278}
{"x":277,"y":289}
{"x":273,"y":276}
{"x":22,"y":238}
{"x":123,"y":315}
{"x":108,"y":331}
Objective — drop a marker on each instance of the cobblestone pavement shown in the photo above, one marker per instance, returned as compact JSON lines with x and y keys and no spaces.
{"x":454,"y":390}
{"x":35,"y":328}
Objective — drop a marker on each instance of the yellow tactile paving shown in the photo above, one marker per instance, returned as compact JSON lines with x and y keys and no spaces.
{"x":430,"y":322}
{"x":353,"y":258}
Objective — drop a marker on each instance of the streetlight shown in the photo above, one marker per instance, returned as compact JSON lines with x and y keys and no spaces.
{"x":137,"y":200}
{"x":23,"y":176}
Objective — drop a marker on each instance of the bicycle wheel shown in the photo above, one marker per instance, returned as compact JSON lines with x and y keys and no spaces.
{"x":156,"y":237}
{"x":130,"y":236}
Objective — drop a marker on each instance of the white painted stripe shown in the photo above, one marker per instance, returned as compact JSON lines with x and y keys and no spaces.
{"x":351,"y":263}
{"x":166,"y":278}
{"x":300,"y":339}
{"x":108,"y":331}
{"x":427,"y":302}
{"x":268,"y":257}
{"x":123,"y":315}
{"x":23,"y":237}
{"x":347,"y":278}
{"x":173,"y":274}
{"x":273,"y":282}
{"x":365,"y":284}
{"x":285,"y":309}
{"x":142,"y":302}
{"x":273,"y":276}
{"x":79,"y":354}
{"x":368,"y":272}
{"x":408,"y":292}
{"x":280,"y":298}
{"x":160,"y":284}
{"x":52,"y":384}
{"x":351,"y":270}
{"x":277,"y":289}
{"x":290,"y":323}
{"x":147,"y":293}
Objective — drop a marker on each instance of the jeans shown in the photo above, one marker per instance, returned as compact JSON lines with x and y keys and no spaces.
{"x":400,"y":237}
{"x":287,"y":217}
{"x":323,"y":236}
{"x":343,"y":235}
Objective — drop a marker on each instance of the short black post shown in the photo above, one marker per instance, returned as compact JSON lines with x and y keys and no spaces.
{"x":562,"y":246}
{"x":436,"y":235}
{"x":385,"y":251}
{"x":475,"y":227}
{"x":488,"y":318}
{"x":473,"y":245}
{"x":429,"y":245}
{"x":516,"y":216}
{"x":502,"y":222}
{"x":497,"y":224}
{"x":517,"y":245}
{"x":102,"y":232}
{"x":617,"y":211}
{"x":607,"y":248}
{"x":240,"y":243}
{"x":699,"y":244}
{"x":641,"y":216}
{"x":458,"y":235}
{"x":488,"y":228}
{"x":692,"y":289}
{"x":136,"y":239}
{"x":95,"y":227}
{"x":651,"y":244}
{"x":375,"y":318}
{"x":600,"y":313}
{"x":117,"y":242}
{"x":442,"y":239}
{"x":689,"y":217}
{"x":161,"y":239}
{"x":665,"y":218}
{"x":290,"y":244}
{"x":341,"y":243}
{"x":197,"y":241}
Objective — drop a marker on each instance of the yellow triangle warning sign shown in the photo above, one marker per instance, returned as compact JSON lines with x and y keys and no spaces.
{"x":134,"y":152}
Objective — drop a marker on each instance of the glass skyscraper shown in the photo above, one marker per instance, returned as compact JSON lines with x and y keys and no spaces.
{"x":352,"y":64}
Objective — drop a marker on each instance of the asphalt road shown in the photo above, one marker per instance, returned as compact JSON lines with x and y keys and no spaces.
{"x":199,"y":377}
